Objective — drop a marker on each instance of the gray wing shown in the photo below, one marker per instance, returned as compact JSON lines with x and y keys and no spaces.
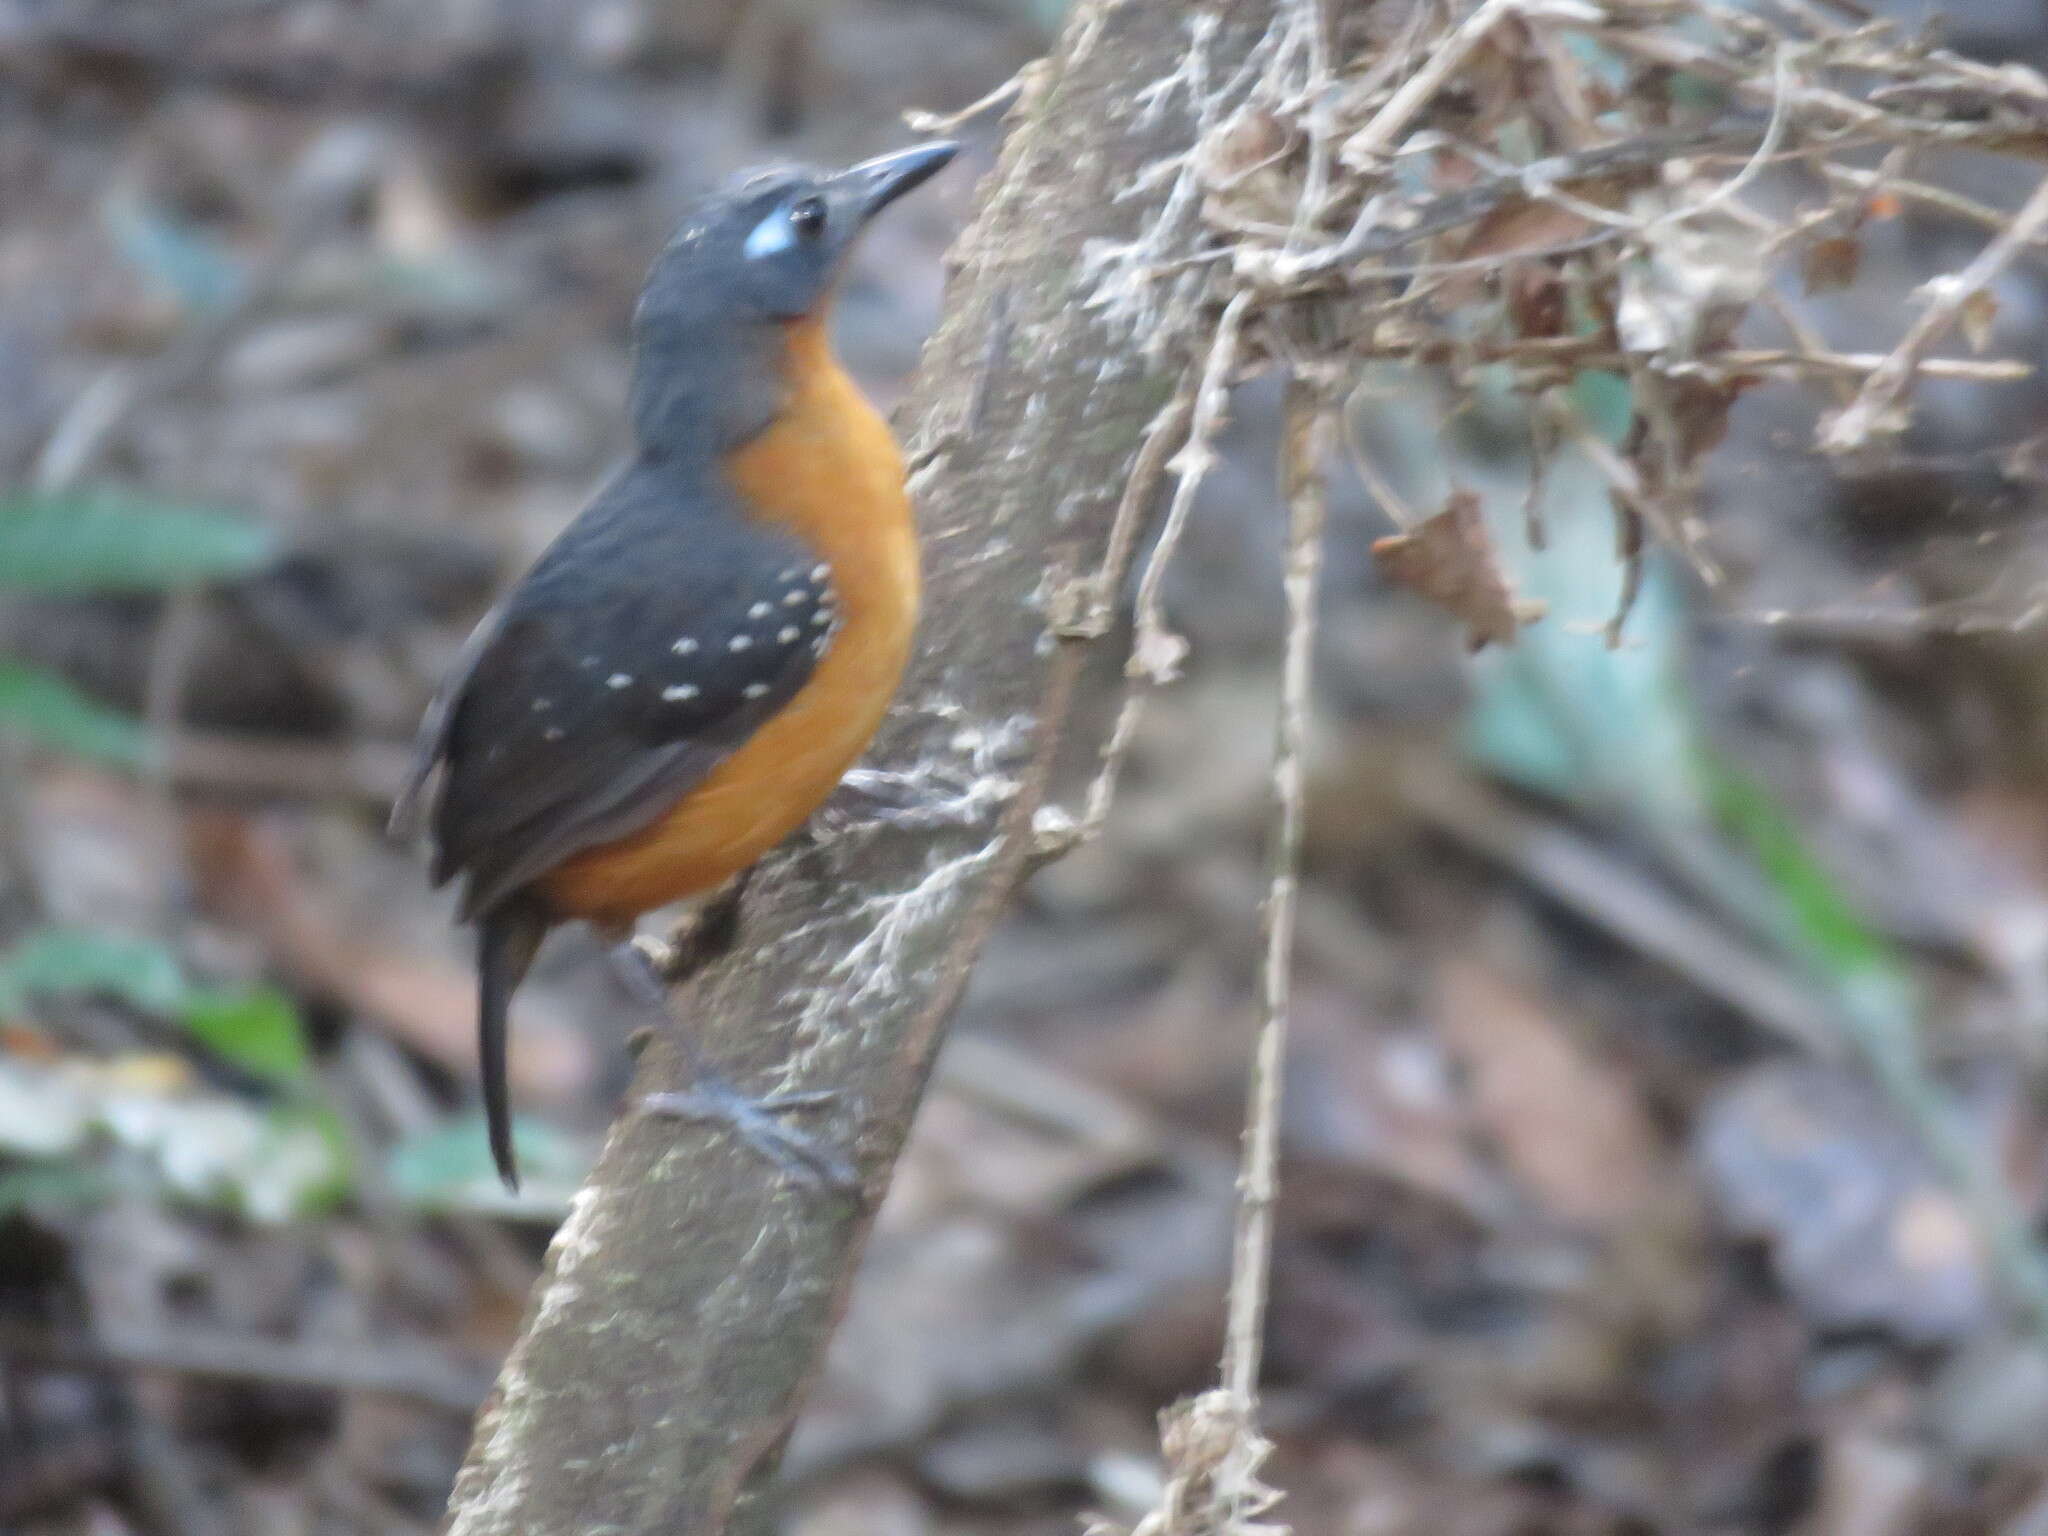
{"x":414,"y":806}
{"x":642,"y":650}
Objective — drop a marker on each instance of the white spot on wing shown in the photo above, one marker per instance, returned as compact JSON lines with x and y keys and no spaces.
{"x":755,"y":690}
{"x":738,"y":643}
{"x":758,"y":611}
{"x":684,"y":646}
{"x":619,"y":680}
{"x":679,"y":693}
{"x":787,"y":633}
{"x":794,"y":598}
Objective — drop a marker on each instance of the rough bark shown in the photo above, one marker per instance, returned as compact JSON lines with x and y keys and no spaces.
{"x":689,"y":1295}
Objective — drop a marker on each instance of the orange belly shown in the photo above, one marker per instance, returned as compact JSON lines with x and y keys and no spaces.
{"x":751,"y":801}
{"x":830,"y":472}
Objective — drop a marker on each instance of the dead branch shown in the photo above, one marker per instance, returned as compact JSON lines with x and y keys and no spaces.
{"x":1303,"y":455}
{"x":1612,"y":238}
{"x":690,"y":1293}
{"x":1876,"y":410}
{"x":1193,"y":420}
{"x":411,"y":1371}
{"x":1212,"y":1444}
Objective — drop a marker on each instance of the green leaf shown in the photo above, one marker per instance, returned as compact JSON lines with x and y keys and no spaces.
{"x":1826,"y":926}
{"x":48,"y":712}
{"x":70,"y":962}
{"x":52,"y":1189}
{"x":1561,"y":712}
{"x":179,"y":258}
{"x":1607,"y":402}
{"x":115,"y":541}
{"x":448,"y":1166}
{"x":308,"y":1166}
{"x":270,"y":1163}
{"x":258,"y":1030}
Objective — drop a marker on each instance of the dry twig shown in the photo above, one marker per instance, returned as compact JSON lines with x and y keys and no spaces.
{"x":1303,"y":453}
{"x":1192,"y":420}
{"x":1876,"y":409}
{"x":1626,"y":256}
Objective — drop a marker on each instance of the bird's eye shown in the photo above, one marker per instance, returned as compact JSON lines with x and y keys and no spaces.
{"x":807,"y":217}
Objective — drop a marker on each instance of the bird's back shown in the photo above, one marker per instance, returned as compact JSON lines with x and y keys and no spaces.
{"x":608,"y":683}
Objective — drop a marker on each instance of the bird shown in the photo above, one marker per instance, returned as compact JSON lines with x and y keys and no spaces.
{"x":685,"y":674}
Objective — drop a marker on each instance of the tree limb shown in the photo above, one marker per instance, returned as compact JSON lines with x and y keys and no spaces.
{"x":689,"y":1295}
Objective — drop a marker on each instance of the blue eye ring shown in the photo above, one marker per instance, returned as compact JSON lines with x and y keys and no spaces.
{"x":770,"y":237}
{"x":803,"y":220}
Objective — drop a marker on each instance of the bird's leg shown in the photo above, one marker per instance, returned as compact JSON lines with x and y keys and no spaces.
{"x":650,"y":967}
{"x":696,"y":941}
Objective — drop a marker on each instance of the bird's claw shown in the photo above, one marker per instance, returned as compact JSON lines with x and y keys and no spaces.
{"x":648,"y":967}
{"x":753,"y":1121}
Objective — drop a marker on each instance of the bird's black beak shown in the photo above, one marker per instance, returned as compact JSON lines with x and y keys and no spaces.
{"x":875,"y":184}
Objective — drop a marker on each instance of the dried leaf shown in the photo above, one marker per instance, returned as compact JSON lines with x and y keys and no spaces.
{"x":1516,"y":229}
{"x":1523,"y":228}
{"x":1156,"y":656}
{"x":1448,"y":559}
{"x":1831,"y":264}
{"x":2026,"y":461}
{"x":1979,"y":314}
{"x":1566,"y":1121}
{"x":1871,"y":1485}
{"x":1861,"y":1228}
{"x":1695,"y":285}
{"x":1536,"y":300}
{"x":1699,"y":409}
{"x":1241,"y":166}
{"x":1250,"y":139}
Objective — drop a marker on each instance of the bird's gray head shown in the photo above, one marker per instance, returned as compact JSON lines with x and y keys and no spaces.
{"x":757,"y":254}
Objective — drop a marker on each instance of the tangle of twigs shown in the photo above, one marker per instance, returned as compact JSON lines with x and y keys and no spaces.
{"x":1529,"y":190}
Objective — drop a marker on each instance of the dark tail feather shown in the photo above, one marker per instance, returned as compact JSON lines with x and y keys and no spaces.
{"x":507,"y":939}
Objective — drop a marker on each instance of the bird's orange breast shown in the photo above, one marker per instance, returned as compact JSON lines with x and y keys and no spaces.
{"x":828,"y":470}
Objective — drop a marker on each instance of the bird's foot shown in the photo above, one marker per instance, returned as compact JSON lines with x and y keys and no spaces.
{"x":710,"y":1100}
{"x":643,"y":965}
